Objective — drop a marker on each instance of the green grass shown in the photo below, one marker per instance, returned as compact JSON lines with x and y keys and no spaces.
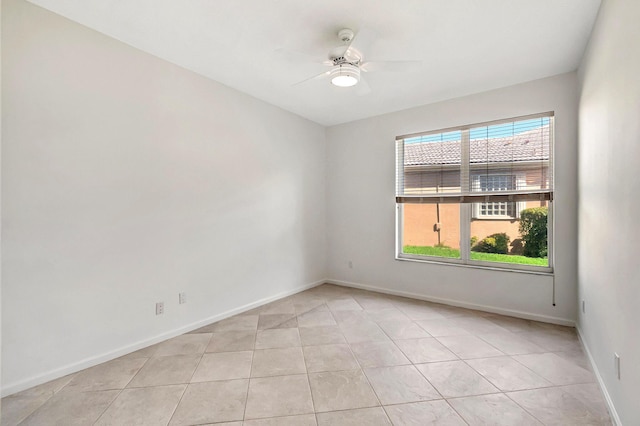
{"x":510,"y":258}
{"x":432,"y":251}
{"x":487,"y":257}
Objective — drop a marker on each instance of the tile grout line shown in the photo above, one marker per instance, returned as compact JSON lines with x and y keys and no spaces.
{"x":442,"y":398}
{"x":38,"y":407}
{"x":523,"y":408}
{"x":368,"y":381}
{"x":189,"y":381}
{"x":107,"y":407}
{"x":528,"y":368}
{"x":472,"y":335}
{"x":179,"y":400}
{"x":120,"y":391}
{"x":498,"y":387}
{"x":306,"y":368}
{"x":456,"y":411}
{"x":412,"y":363}
{"x":422,"y":374}
{"x":253,"y":352}
{"x":313,"y":403}
{"x":506,"y":392}
{"x":295,"y":315}
{"x":348,"y":344}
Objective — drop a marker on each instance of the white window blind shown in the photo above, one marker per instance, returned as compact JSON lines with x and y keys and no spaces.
{"x":482,"y":163}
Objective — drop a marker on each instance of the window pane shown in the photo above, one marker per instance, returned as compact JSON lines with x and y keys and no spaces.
{"x":431,"y":230}
{"x":511,"y":156}
{"x":519,"y":241}
{"x":432,"y":164}
{"x":493,"y":182}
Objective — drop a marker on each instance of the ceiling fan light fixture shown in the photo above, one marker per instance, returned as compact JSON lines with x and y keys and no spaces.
{"x":345,"y":75}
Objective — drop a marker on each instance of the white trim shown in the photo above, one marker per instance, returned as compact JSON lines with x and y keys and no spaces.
{"x":480,"y":264}
{"x":521,"y":182}
{"x":612,"y":409}
{"x":551,"y":226}
{"x":399,"y":227}
{"x":465,"y":232}
{"x":458,"y":303}
{"x":124,"y":350}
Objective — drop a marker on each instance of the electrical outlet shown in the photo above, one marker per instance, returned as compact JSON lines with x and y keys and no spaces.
{"x":350,"y":265}
{"x":182,"y":298}
{"x":584,"y":309}
{"x":616,"y":358}
{"x":159,"y":308}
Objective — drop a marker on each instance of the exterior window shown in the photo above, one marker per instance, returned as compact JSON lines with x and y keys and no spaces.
{"x":495,"y":209}
{"x":478,"y":195}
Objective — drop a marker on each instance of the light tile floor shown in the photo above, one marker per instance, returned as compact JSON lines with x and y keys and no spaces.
{"x":335,"y":356}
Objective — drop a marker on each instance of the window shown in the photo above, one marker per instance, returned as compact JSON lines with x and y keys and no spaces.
{"x":477,"y":195}
{"x":496,"y":209}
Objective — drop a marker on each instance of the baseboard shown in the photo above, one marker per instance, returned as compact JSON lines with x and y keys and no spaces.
{"x":458,"y":303}
{"x":98,"y":359}
{"x":612,"y":409}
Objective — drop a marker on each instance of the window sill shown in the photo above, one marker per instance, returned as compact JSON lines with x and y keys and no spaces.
{"x":521,"y":269}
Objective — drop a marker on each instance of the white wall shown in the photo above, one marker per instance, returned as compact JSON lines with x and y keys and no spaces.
{"x":609,"y":228}
{"x":361,"y":205}
{"x":125,"y":180}
{"x":0,"y":205}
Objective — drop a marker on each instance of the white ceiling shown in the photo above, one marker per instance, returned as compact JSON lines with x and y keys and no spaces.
{"x":467,"y":46}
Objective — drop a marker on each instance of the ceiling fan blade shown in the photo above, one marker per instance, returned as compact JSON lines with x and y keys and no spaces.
{"x":315,"y":77}
{"x":362,"y":88}
{"x":338,"y":51}
{"x":361,"y":43}
{"x":294,"y":56}
{"x":353,"y":50}
{"x":390,"y":66}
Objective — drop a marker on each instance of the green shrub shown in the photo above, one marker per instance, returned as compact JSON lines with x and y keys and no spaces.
{"x":474,"y":240}
{"x":496,"y":243}
{"x":533,"y":229}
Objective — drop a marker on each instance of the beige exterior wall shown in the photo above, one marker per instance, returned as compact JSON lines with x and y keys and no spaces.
{"x":420,"y":220}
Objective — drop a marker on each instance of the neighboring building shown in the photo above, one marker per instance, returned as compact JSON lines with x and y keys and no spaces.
{"x":506,"y":163}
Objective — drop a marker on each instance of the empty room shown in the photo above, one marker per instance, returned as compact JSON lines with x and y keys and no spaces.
{"x":320,"y":213}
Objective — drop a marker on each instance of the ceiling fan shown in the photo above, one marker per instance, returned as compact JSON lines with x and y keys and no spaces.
{"x":347,"y":62}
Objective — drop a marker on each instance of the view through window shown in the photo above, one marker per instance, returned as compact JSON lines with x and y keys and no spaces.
{"x":478,"y":195}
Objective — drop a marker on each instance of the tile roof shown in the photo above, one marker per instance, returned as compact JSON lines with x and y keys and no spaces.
{"x":531,"y":145}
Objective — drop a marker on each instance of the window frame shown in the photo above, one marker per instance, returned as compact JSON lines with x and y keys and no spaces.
{"x":467,"y":213}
